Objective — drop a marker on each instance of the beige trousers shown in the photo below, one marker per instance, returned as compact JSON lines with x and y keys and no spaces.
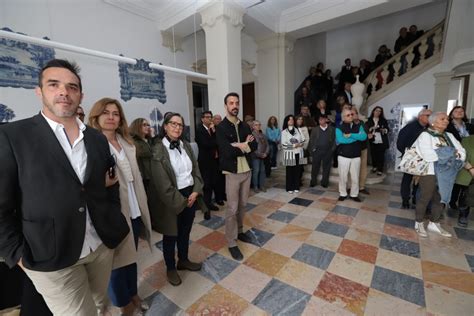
{"x":79,"y":290}
{"x":237,"y":187}
{"x":346,"y":166}
{"x":363,"y":169}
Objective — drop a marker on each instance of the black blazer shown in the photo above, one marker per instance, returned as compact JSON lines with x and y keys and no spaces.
{"x":42,"y":201}
{"x":382,"y":124}
{"x":226,"y":135}
{"x":207,"y":145}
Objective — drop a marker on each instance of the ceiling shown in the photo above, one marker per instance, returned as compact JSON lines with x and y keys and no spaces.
{"x":298,"y":18}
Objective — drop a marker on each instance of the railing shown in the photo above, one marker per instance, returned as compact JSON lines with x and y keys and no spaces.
{"x":417,"y":57}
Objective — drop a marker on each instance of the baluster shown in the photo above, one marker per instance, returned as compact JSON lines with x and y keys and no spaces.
{"x":385,"y":75}
{"x":437,"y":40}
{"x":410,"y":57}
{"x":374,"y":82}
{"x":396,"y":67}
{"x":423,"y":49}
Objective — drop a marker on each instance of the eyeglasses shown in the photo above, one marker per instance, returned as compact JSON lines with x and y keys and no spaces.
{"x":176,"y":125}
{"x":347,"y":115}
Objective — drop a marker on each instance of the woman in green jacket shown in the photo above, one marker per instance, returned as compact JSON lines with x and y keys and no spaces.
{"x":465,"y":179}
{"x":175,"y":190}
{"x":141,"y":134}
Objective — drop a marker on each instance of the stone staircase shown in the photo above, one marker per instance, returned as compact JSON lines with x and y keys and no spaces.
{"x":418,"y":57}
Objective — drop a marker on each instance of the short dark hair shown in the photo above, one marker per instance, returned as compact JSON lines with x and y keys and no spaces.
{"x":322,"y":116}
{"x":61,"y":63}
{"x":206,"y":112}
{"x":231,"y":94}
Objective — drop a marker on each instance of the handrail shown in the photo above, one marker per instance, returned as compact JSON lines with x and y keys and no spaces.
{"x":397,"y":56}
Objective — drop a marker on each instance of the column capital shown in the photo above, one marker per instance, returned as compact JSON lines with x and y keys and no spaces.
{"x":222,"y":10}
{"x":277,"y":40}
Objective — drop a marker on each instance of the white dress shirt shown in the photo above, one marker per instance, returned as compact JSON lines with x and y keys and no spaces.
{"x":182,"y":165}
{"x":77,"y":155}
{"x":124,"y":166}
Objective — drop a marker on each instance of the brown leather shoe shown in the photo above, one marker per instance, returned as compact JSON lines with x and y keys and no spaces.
{"x":188,"y":265}
{"x":173,"y":277}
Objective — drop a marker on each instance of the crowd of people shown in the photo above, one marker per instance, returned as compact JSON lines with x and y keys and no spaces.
{"x":77,"y":198}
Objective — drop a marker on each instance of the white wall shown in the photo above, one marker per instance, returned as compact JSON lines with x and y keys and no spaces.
{"x":96,"y":25}
{"x":308,"y":51}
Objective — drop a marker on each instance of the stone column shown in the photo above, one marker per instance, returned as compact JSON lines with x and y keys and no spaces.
{"x":222,"y":24}
{"x":442,"y":83}
{"x":275,"y":62}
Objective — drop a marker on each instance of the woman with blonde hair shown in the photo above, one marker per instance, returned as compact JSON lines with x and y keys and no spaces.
{"x":108,"y":117}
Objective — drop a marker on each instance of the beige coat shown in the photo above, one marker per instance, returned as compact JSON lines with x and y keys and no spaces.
{"x":126,"y":253}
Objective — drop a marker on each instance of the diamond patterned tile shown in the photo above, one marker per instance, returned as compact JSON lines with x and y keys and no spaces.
{"x":254,"y":282}
{"x":400,"y":232}
{"x":283,"y":246}
{"x":294,"y":232}
{"x":218,"y":301}
{"x":266,"y":261}
{"x":400,"y":221}
{"x":217,"y":267}
{"x":351,"y":269}
{"x":332,"y":228}
{"x":214,"y":241}
{"x":466,"y":234}
{"x":215,"y":222}
{"x":300,"y":275}
{"x":404,"y":247}
{"x":441,"y":300}
{"x":400,"y":285}
{"x":314,"y":256}
{"x":344,"y":210}
{"x":258,"y":237}
{"x":161,"y":305}
{"x":460,"y":280}
{"x":282,"y":216}
{"x":470,"y":261}
{"x":351,"y":295}
{"x":358,"y":250}
{"x":300,"y":201}
{"x":279,"y":298}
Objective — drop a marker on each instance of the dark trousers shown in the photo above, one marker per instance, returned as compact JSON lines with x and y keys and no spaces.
{"x":377,"y":152}
{"x":273,"y":153}
{"x":220,"y":187}
{"x":455,"y":194}
{"x":324,"y":157}
{"x":293,"y":176}
{"x":428,"y":193}
{"x":209,"y":177}
{"x":123,"y":280}
{"x":185,"y":223}
{"x":406,"y":190}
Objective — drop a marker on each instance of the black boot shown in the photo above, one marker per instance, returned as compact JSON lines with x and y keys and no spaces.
{"x":405,"y":204}
{"x":463,"y":217}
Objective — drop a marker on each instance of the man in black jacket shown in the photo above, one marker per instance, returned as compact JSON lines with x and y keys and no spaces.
{"x":235,"y":142}
{"x":208,"y":157}
{"x":406,"y":138}
{"x":59,"y":220}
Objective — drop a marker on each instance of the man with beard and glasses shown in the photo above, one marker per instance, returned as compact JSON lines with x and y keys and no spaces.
{"x":235,"y":143}
{"x":60,"y":212}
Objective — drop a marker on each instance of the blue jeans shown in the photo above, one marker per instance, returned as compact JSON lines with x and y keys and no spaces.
{"x":446,"y":170}
{"x":258,"y":173}
{"x":273,"y":153}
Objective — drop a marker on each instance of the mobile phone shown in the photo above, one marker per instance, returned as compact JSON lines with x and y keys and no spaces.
{"x":111,"y":172}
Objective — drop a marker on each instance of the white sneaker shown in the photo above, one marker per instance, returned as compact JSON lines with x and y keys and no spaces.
{"x":420,"y":229}
{"x":436,"y":228}
{"x":291,"y":192}
{"x":296,"y":191}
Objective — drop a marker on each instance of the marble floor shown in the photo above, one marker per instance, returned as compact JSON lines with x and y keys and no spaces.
{"x":313,"y":255}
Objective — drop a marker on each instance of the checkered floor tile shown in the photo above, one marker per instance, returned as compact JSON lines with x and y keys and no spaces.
{"x":310,"y":254}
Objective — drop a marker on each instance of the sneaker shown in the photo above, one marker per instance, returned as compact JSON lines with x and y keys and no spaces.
{"x":356,"y":198}
{"x":235,"y":253}
{"x":244,"y":238}
{"x":341,"y":198}
{"x":291,"y":192}
{"x":173,"y":277}
{"x":436,"y":228}
{"x":420,"y":229}
{"x":297,"y":191}
{"x":188,"y":265}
